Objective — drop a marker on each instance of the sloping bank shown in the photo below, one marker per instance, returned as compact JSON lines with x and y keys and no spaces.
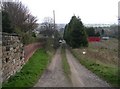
{"x":104,"y":71}
{"x":30,"y":72}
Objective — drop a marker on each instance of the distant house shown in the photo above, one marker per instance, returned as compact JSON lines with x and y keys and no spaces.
{"x":94,"y":39}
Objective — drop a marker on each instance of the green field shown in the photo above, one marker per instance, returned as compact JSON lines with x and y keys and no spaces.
{"x":31,"y":71}
{"x":102,"y":59}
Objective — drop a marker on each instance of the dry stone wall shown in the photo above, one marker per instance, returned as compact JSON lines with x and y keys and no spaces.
{"x":12,"y":55}
{"x":0,"y":66}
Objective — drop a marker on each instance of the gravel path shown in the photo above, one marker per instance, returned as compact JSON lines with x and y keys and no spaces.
{"x":80,"y":76}
{"x":54,"y":75}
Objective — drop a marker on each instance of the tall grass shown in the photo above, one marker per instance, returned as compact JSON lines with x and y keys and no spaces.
{"x":106,"y":72}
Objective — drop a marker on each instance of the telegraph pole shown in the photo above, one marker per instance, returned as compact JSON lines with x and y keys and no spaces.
{"x":54,"y":18}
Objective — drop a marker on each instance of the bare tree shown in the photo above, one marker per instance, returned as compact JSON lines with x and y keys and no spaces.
{"x":48,"y":23}
{"x":20,"y":16}
{"x":47,"y":27}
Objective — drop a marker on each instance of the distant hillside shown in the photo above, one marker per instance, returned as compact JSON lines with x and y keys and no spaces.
{"x":111,"y":31}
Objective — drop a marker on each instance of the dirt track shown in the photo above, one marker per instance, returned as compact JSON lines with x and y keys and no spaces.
{"x":80,"y":76}
{"x":54,"y":75}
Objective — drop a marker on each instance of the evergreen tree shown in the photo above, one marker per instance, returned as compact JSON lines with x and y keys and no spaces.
{"x":75,"y":34}
{"x":97,"y":34}
{"x":90,"y":31}
{"x":102,"y":32}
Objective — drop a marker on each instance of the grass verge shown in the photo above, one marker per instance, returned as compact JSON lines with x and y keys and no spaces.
{"x":106,"y":72}
{"x":65,"y":64}
{"x":30,"y":72}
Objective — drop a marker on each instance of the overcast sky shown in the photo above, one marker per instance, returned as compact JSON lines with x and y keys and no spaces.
{"x":90,"y":11}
